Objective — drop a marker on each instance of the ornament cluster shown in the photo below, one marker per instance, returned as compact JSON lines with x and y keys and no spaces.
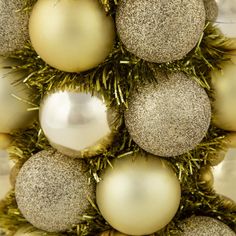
{"x":139,"y":194}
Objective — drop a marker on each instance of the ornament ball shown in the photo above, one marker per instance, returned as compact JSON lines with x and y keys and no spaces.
{"x":139,"y":195}
{"x":72,"y":36}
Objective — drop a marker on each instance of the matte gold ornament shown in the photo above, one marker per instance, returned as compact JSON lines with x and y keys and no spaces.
{"x":14,"y":98}
{"x":139,"y":195}
{"x":5,"y":140}
{"x":224,"y":84}
{"x":70,"y":35}
{"x":76,"y":124}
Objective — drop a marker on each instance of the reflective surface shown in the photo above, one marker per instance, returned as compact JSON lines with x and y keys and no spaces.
{"x":74,"y":122}
{"x":225,"y":176}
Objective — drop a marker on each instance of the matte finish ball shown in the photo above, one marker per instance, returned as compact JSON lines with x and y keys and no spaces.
{"x":70,"y":35}
{"x":14,"y":98}
{"x":77,"y":124}
{"x":53,"y":191}
{"x":160,"y":30}
{"x":168,"y":118}
{"x":204,"y":226}
{"x":139,"y":195}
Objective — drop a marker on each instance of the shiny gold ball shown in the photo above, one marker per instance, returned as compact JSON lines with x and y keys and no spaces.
{"x":14,"y":98}
{"x":224,"y":85}
{"x":70,"y":35}
{"x":5,"y":140}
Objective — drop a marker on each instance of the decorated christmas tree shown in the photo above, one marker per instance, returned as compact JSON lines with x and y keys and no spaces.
{"x":114,"y":113}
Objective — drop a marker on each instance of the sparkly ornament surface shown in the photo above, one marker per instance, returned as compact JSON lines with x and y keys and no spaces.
{"x":13,"y":27}
{"x":211,"y":10}
{"x":139,"y":195}
{"x":160,"y":30}
{"x":14,"y":98}
{"x":52,"y":191}
{"x":76,"y":123}
{"x":204,"y":226}
{"x":70,"y":35}
{"x":168,"y":118}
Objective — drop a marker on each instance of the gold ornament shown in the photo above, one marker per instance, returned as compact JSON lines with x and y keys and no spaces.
{"x":70,"y":35}
{"x":224,"y":84}
{"x":5,"y":140}
{"x":112,"y":233}
{"x":206,"y":177}
{"x":14,"y":98}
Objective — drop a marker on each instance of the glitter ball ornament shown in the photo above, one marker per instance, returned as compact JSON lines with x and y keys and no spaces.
{"x":211,"y":10}
{"x":14,"y":98}
{"x":76,"y":123}
{"x":52,"y":191}
{"x":160,"y":30}
{"x":139,"y":195}
{"x":78,"y":36}
{"x":170,"y":117}
{"x":14,"y":26}
{"x":204,"y":226}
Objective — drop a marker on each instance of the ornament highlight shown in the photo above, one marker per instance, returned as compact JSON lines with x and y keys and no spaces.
{"x":139,"y":195}
{"x":52,"y":191}
{"x":76,"y":123}
{"x":77,"y":37}
{"x":170,"y":117}
{"x":202,"y":225}
{"x":14,"y":112}
{"x":160,"y":31}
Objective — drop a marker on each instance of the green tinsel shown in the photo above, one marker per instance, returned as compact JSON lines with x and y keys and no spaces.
{"x":113,"y":79}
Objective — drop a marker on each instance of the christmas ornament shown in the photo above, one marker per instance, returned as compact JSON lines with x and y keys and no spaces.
{"x":206,"y":177}
{"x":78,"y":36}
{"x":14,"y":98}
{"x":29,"y":230}
{"x":168,"y":118}
{"x":225,"y":175}
{"x":52,"y":191}
{"x":76,"y":123}
{"x":5,"y":141}
{"x":202,"y":225}
{"x":224,"y":85}
{"x":211,"y":10}
{"x":139,"y":195}
{"x":112,"y":233}
{"x":160,"y":30}
{"x":13,"y":27}
{"x":226,"y":20}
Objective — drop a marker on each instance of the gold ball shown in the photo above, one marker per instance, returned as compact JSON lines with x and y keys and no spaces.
{"x":111,"y":233}
{"x":14,"y":96}
{"x":206,"y":177}
{"x":224,"y":84}
{"x":70,"y":35}
{"x":5,"y":141}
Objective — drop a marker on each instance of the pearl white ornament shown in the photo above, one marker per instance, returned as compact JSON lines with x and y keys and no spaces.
{"x":75,"y":123}
{"x":70,"y":35}
{"x":14,"y":96}
{"x":139,"y":195}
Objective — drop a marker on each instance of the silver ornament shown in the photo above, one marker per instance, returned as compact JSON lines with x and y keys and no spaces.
{"x":225,"y":175}
{"x":139,"y":195}
{"x":53,"y":191}
{"x":211,"y":10}
{"x":77,"y":124}
{"x":160,"y":30}
{"x":168,"y":118}
{"x":13,"y":27}
{"x":204,"y":226}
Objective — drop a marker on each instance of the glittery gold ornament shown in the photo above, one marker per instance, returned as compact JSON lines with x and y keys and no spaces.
{"x":170,"y":117}
{"x":78,"y":35}
{"x":77,"y":124}
{"x":202,"y":225}
{"x":211,"y":10}
{"x":139,"y":195}
{"x":14,"y":98}
{"x":160,"y":30}
{"x":53,"y":191}
{"x":5,"y":140}
{"x":29,"y":230}
{"x":224,"y":85}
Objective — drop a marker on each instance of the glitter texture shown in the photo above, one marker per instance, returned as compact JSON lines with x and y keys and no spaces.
{"x":204,"y":226}
{"x":160,"y":30}
{"x":211,"y":10}
{"x":13,"y":27}
{"x":168,"y":118}
{"x":52,"y":191}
